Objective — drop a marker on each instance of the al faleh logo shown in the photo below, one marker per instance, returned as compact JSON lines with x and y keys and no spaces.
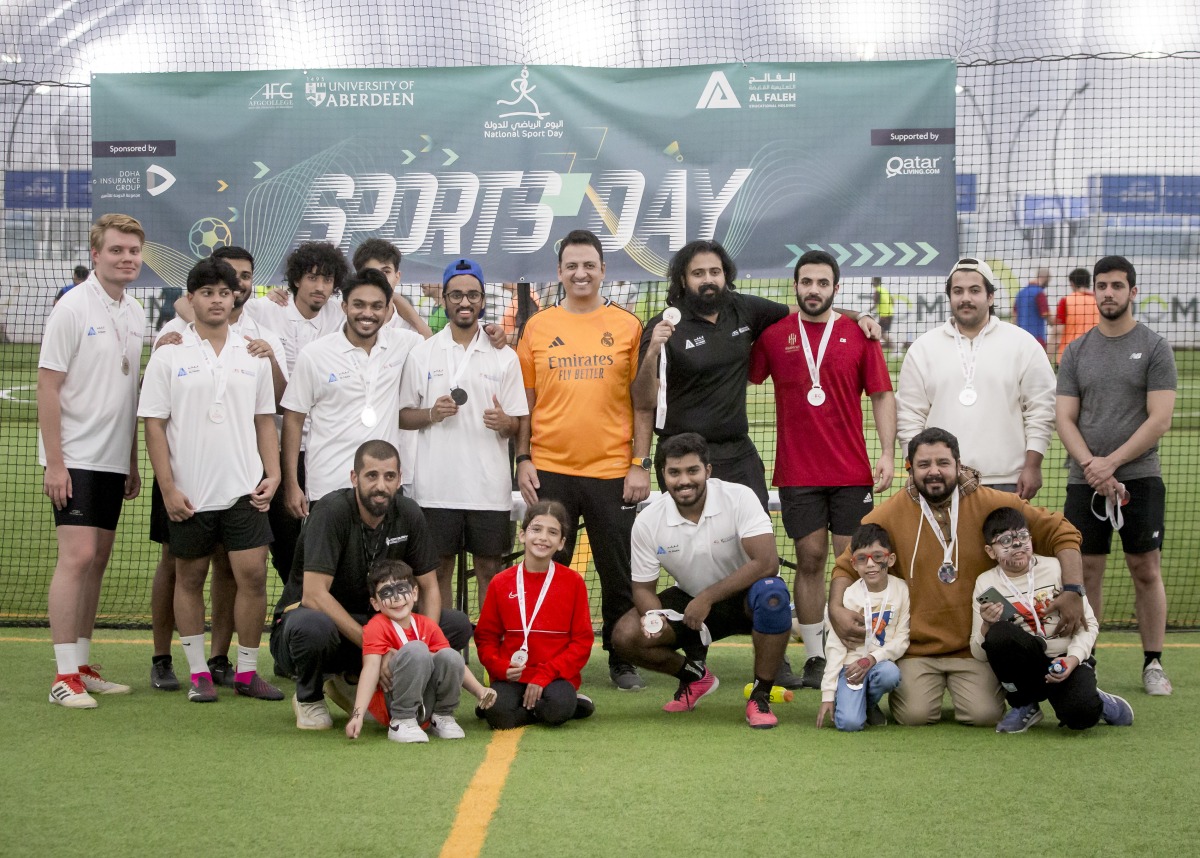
{"x":717,"y":93}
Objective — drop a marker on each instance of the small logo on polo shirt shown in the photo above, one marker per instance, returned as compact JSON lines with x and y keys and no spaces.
{"x":332,"y":377}
{"x":393,"y":540}
{"x":696,"y":343}
{"x":557,"y":341}
{"x":607,"y":339}
{"x":841,"y":339}
{"x":1135,"y":356}
{"x":182,"y":372}
{"x":744,"y":329}
{"x":91,"y":332}
{"x":661,"y":550}
{"x":791,"y":339}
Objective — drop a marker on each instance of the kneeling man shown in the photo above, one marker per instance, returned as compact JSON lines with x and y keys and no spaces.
{"x":716,"y":541}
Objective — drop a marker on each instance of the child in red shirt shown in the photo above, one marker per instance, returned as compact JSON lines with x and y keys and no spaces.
{"x":427,"y":675}
{"x":534,"y":656}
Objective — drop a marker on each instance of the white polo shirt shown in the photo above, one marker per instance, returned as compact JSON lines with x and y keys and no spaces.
{"x":460,"y":463}
{"x":330,"y":384}
{"x":701,"y":554}
{"x":294,"y":330}
{"x":243,"y":327}
{"x":86,"y":337}
{"x":214,"y":464}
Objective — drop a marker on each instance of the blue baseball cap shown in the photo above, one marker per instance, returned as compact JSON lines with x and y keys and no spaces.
{"x":462,"y":266}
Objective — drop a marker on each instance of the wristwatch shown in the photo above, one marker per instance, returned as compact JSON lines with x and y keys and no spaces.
{"x":524,"y":457}
{"x":643,"y":463}
{"x":1074,"y":588}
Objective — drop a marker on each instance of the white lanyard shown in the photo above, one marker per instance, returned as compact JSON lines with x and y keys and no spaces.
{"x":966,"y":358}
{"x":1112,"y":507}
{"x":462,"y":365}
{"x":403,"y":636}
{"x":672,"y":315}
{"x":368,"y":374}
{"x":120,"y":331}
{"x":527,"y":625}
{"x":868,"y":623}
{"x":948,"y":548}
{"x":1028,"y":601}
{"x":814,"y":366}
{"x":217,"y":370}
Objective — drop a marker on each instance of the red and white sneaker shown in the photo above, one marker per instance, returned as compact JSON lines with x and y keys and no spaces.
{"x":97,"y":684}
{"x":687,"y":696}
{"x":68,"y":691}
{"x":759,"y":714}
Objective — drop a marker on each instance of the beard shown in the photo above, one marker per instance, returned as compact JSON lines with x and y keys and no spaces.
{"x":707,"y":300}
{"x":376,"y":504}
{"x":944,"y":491}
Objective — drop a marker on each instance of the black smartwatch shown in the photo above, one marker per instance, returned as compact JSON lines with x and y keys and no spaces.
{"x":1074,"y":588}
{"x":524,"y":457}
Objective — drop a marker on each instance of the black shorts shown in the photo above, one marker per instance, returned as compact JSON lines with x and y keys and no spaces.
{"x":239,"y":528}
{"x":96,"y":498}
{"x":484,"y":532}
{"x":1144,"y":515}
{"x":159,"y":520}
{"x":728,"y":617}
{"x":838,"y":509}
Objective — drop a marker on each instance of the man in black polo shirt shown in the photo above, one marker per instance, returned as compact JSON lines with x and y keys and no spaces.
{"x":319,"y":618}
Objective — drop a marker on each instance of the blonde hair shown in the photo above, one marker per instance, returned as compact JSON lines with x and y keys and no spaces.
{"x":119,"y":222}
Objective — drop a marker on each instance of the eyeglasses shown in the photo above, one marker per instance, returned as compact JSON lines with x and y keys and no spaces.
{"x":880,"y":559}
{"x":456,"y":297}
{"x":1008,"y":540}
{"x":393,"y":592}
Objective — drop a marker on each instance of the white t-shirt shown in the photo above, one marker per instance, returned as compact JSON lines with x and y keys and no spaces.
{"x":701,"y":554}
{"x":214,"y":464}
{"x":294,"y":330}
{"x":243,"y":327}
{"x":86,"y":337}
{"x":330,"y":384}
{"x":460,"y":463}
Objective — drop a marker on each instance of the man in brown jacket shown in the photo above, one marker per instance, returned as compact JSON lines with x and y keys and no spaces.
{"x":936,"y":525}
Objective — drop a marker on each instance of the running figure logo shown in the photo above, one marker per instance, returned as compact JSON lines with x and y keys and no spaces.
{"x":522,"y":88}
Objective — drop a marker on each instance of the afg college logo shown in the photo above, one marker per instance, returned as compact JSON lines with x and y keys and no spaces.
{"x":272,"y":96}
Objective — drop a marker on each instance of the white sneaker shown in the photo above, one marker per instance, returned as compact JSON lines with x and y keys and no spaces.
{"x":311,"y":716}
{"x":341,"y":692}
{"x":1155,"y":680}
{"x":407,"y":730}
{"x":97,"y":684}
{"x":445,"y":727}
{"x":69,"y":692}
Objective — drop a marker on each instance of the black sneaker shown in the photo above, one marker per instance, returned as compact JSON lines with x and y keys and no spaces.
{"x":625,"y":676}
{"x":584,"y":707}
{"x":814,"y":672}
{"x":162,"y":676}
{"x":875,"y":716}
{"x":784,"y":677}
{"x":222,"y":671}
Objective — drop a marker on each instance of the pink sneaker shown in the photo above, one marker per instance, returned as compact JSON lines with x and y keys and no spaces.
{"x":689,"y":695}
{"x":759,"y":715}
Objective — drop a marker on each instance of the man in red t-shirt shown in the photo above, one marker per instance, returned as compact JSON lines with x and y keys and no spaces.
{"x":821,"y":364}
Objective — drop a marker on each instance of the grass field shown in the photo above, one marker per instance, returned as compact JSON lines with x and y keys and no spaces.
{"x":150,"y":774}
{"x":28,"y":548}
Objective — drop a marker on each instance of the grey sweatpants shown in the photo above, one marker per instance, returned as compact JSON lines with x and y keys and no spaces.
{"x":425,"y":683}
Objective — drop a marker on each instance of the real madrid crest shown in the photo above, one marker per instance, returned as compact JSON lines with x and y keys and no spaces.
{"x":607,"y":339}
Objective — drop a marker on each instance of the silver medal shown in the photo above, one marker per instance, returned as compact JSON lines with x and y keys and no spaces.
{"x":816,"y":397}
{"x":519,"y":658}
{"x":671,"y":315}
{"x":216,"y":413}
{"x":125,"y":364}
{"x":947,"y":574}
{"x":968,"y":396}
{"x":652,"y":624}
{"x":369,"y":417}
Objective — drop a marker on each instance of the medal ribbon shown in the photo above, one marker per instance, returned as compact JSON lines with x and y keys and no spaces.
{"x":814,"y":366}
{"x":967,"y":358}
{"x":1028,"y":601}
{"x":462,"y":365}
{"x":867,"y":622}
{"x":403,"y":636}
{"x":948,"y":548}
{"x":119,"y":331}
{"x":220,"y":380}
{"x":527,"y":625}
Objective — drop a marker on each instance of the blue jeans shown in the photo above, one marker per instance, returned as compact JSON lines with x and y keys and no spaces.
{"x":850,"y":705}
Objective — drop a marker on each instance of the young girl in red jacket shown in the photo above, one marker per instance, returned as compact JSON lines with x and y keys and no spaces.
{"x":535,"y":630}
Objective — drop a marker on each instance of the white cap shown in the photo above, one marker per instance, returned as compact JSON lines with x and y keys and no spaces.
{"x":971,"y":263}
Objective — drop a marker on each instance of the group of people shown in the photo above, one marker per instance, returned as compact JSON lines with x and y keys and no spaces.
{"x":365,"y":454}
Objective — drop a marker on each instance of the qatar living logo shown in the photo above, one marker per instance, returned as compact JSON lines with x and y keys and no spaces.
{"x":897,"y":166}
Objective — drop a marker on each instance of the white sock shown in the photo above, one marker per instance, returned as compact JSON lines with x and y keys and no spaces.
{"x":814,"y":641}
{"x":83,"y":650}
{"x":193,"y":648}
{"x":64,"y":656}
{"x":247,"y":659}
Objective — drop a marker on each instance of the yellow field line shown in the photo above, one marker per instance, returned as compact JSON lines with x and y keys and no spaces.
{"x":482,"y":797}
